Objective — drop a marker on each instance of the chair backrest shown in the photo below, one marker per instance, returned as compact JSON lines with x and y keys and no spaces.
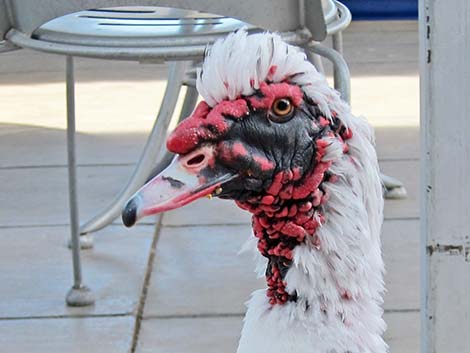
{"x":274,"y":15}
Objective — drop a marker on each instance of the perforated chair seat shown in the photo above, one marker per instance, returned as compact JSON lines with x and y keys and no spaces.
{"x":150,"y":33}
{"x":136,"y":33}
{"x":137,"y":26}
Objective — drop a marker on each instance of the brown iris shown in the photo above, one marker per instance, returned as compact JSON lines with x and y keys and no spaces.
{"x":281,"y":110}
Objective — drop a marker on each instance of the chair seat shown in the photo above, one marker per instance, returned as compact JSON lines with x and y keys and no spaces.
{"x":136,"y":26}
{"x":145,"y":26}
{"x":150,"y":33}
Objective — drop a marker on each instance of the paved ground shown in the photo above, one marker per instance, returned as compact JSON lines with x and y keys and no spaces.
{"x":190,"y":305}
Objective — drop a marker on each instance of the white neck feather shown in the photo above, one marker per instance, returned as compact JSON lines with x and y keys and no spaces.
{"x":339,"y":286}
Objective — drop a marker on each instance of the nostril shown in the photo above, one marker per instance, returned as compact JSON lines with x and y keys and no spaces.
{"x":198,"y":159}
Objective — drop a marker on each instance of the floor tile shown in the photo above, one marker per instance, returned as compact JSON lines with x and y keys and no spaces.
{"x":103,"y":105}
{"x":23,"y":66}
{"x":390,"y":46}
{"x":20,"y":143}
{"x":207,"y":335}
{"x":373,"y":49}
{"x":77,"y":335}
{"x":385,"y":69}
{"x":376,"y":98}
{"x":201,"y":335}
{"x":384,"y":27}
{"x":400,"y":243}
{"x":37,"y":270}
{"x":39,"y":196}
{"x":205,"y":211}
{"x":397,"y":142}
{"x":408,"y":172}
{"x":197,"y":271}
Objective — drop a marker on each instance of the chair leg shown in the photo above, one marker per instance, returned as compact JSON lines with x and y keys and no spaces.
{"x":316,"y":60}
{"x":338,"y":42}
{"x":153,"y":151}
{"x":393,"y":188}
{"x":342,"y":80}
{"x":337,"y":39}
{"x":79,"y":294}
{"x":190,"y":100}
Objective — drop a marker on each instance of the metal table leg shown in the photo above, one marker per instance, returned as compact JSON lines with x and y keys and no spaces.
{"x":79,"y":294}
{"x":154,"y":149}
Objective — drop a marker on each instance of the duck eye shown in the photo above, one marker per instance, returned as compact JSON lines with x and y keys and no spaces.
{"x":281,"y":110}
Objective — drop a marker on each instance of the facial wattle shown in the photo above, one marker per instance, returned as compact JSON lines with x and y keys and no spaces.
{"x":274,"y":168}
{"x":205,"y":125}
{"x":285,"y":215}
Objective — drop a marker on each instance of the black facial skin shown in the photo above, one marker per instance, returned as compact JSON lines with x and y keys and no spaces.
{"x":288,"y":144}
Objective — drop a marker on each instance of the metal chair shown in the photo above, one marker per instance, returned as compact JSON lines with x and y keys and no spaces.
{"x":157,"y":34}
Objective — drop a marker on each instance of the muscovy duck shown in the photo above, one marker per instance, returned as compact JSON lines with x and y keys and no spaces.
{"x":273,"y":136}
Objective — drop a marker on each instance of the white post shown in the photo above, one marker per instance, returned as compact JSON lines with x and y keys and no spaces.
{"x":445,"y":188}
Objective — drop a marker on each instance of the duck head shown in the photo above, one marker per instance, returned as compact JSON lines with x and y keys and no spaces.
{"x":234,"y":150}
{"x":255,"y":125}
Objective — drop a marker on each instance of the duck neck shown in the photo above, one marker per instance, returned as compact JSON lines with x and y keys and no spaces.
{"x":287,"y":216}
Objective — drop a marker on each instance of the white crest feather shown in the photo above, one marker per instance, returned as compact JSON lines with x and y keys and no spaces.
{"x":238,"y":64}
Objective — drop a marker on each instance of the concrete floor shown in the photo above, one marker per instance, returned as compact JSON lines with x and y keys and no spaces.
{"x":190,"y":305}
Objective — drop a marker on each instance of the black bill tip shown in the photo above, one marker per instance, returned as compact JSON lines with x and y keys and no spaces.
{"x":129,"y":213}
